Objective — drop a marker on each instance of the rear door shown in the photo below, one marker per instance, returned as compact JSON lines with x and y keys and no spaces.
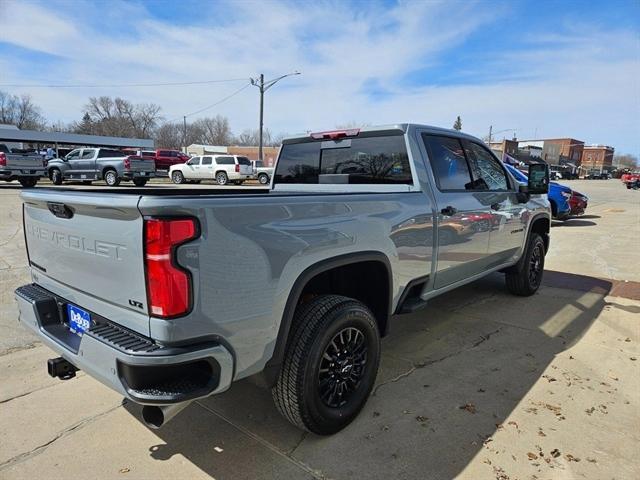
{"x":88,"y":248}
{"x":508,"y":216}
{"x":463,"y":221}
{"x":206,"y":168}
{"x":86,"y":163}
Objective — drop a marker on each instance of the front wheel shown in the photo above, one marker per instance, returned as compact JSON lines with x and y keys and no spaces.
{"x":177,"y":177}
{"x":111,"y":177}
{"x":330,"y":365}
{"x":221,"y":178}
{"x":139,"y":182}
{"x":28,"y":182}
{"x":526,"y":277}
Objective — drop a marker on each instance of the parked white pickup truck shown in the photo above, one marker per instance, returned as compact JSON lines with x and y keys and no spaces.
{"x":27,"y":168}
{"x":261,"y":172}
{"x":221,"y":168}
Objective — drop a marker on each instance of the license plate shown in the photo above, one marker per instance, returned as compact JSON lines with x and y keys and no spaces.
{"x":79,"y":320}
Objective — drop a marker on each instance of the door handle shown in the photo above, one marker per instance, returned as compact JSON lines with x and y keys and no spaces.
{"x":495,"y":206}
{"x":448,"y":211}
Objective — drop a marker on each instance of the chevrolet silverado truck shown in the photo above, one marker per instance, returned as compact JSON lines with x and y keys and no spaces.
{"x":170,"y":295}
{"x":112,"y":166}
{"x":27,"y":168}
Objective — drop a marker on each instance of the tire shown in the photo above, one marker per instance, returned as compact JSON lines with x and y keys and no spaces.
{"x":55,"y":175}
{"x":554,"y":209}
{"x":177,"y":177}
{"x":111,"y":178}
{"x":263,"y":178}
{"x":221,"y":178}
{"x":526,"y":277}
{"x":305,"y":393}
{"x":139,"y":182}
{"x":28,"y":182}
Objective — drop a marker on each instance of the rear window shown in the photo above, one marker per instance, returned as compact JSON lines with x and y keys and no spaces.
{"x":225,"y":161}
{"x":106,"y":153}
{"x":244,"y":161}
{"x":366,"y":160}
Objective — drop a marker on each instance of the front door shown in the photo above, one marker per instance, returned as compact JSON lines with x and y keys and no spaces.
{"x":191,"y":169}
{"x":509,"y":217}
{"x":463,"y":219}
{"x":74,"y":162}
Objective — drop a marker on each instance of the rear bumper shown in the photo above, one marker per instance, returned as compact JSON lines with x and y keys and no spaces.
{"x":135,"y":366}
{"x":14,"y":173}
{"x":134,"y":174}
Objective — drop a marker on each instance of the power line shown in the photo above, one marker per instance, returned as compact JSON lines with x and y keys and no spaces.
{"x":213,"y":104}
{"x":117,"y":85}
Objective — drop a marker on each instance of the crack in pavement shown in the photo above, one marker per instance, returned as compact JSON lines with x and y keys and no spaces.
{"x":79,"y":374}
{"x":419,"y":365}
{"x":67,"y":431}
{"x":265,"y":443}
{"x":303,"y":437}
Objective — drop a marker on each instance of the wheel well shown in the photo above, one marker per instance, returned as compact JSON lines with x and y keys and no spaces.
{"x":106,"y":169}
{"x":347,"y":280}
{"x":541,"y":226}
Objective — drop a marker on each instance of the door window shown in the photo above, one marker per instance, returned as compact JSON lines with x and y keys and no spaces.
{"x":194,"y":161}
{"x":73,"y":155}
{"x":206,"y":160}
{"x":485,"y":167}
{"x":88,"y":153}
{"x":448,"y":162}
{"x":225,"y":161}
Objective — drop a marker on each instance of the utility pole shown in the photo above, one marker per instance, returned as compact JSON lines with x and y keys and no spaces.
{"x":490,"y":130}
{"x":263,"y":87}
{"x":184,"y":133}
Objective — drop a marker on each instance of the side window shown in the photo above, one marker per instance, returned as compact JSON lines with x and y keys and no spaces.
{"x":225,"y":161}
{"x":194,"y":161}
{"x":448,"y":162}
{"x":486,"y":168}
{"x":206,"y":160}
{"x":88,"y":153}
{"x":173,"y":154}
{"x":74,"y":155}
{"x":163,"y":153}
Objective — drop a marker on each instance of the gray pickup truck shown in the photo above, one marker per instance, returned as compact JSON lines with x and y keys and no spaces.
{"x":27,"y":168}
{"x":112,"y":166}
{"x":169,"y":295}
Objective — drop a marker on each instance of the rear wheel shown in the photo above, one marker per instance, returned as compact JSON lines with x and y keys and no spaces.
{"x":177,"y":177}
{"x":139,"y":182}
{"x":28,"y":182}
{"x":221,"y":178}
{"x":111,"y":177}
{"x":263,"y":178}
{"x":55,"y":175}
{"x":330,"y":365}
{"x":526,"y":277}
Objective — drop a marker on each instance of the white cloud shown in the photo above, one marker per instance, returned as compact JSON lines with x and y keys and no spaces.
{"x":564,"y":84}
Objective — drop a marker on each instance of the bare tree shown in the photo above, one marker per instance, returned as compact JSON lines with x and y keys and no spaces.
{"x":20,"y":111}
{"x":215,"y":131}
{"x":120,"y":117}
{"x":625,"y":161}
{"x":248,"y":138}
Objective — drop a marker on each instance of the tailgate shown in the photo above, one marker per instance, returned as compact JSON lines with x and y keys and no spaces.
{"x":25,"y":161}
{"x":140,"y":165}
{"x":97,"y":250}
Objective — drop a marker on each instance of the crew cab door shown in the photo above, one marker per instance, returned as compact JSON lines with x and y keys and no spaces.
{"x":86,"y":164}
{"x":509,"y":217}
{"x":463,"y":215}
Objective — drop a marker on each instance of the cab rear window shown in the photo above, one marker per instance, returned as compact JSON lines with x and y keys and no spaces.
{"x":363,"y":160}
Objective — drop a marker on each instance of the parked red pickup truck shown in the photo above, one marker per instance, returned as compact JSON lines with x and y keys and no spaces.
{"x":166,"y":158}
{"x":631,"y":179}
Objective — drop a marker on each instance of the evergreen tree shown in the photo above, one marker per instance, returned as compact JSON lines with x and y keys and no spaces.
{"x":457,"y":125}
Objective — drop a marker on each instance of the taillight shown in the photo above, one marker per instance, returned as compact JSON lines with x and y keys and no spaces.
{"x":168,"y":285}
{"x":3,"y":159}
{"x":237,"y":167}
{"x":127,"y":163}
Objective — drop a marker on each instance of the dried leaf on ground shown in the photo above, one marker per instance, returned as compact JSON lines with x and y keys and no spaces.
{"x":469,"y":407}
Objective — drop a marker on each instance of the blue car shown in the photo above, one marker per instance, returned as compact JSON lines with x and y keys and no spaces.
{"x":559,"y":195}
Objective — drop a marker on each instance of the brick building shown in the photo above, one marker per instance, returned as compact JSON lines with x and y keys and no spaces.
{"x":557,"y":151}
{"x":597,"y":157}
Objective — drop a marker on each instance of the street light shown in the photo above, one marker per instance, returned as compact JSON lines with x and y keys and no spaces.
{"x":264,"y":86}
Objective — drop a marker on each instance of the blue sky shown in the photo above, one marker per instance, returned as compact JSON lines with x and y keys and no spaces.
{"x":538,"y":68}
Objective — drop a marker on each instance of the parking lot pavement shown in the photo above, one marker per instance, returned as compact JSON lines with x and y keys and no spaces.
{"x":478,"y":385}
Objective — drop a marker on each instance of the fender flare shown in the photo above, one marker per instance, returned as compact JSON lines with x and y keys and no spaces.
{"x":272,"y":366}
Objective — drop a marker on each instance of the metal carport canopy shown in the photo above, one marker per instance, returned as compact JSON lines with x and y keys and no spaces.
{"x":34,"y":136}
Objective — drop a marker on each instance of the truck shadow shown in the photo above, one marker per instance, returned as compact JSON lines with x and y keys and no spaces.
{"x":450,"y":376}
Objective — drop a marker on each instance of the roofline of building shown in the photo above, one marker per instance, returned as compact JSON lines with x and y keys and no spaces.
{"x":34,"y":136}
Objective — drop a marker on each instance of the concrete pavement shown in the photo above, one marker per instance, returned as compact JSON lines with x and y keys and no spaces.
{"x":478,"y":385}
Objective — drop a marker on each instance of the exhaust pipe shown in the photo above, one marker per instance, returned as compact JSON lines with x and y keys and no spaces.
{"x":155,"y":416}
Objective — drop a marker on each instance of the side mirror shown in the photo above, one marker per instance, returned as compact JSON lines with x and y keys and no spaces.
{"x":538,"y":183}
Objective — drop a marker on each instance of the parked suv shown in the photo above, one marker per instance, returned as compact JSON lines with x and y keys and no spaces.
{"x":166,"y":158}
{"x":221,"y":168}
{"x":559,"y":195}
{"x":170,"y":296}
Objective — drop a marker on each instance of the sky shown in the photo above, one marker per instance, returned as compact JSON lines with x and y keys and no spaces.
{"x":539,"y":69}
